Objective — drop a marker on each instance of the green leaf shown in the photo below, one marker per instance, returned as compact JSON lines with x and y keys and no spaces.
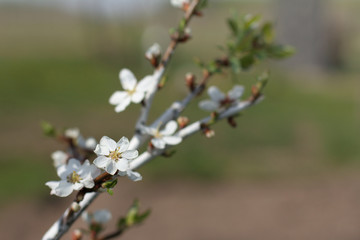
{"x":267,"y":33}
{"x":110,"y":184}
{"x":235,"y":65}
{"x":233,"y":25}
{"x":251,"y":21}
{"x":140,"y":218}
{"x":280,"y":51}
{"x":182,"y":25}
{"x":262,"y":80}
{"x":110,"y":191}
{"x":48,"y":129}
{"x":247,"y":61}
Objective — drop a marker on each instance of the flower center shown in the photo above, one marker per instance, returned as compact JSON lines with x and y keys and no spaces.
{"x":132,"y":91}
{"x":157,"y":131}
{"x":115,"y":155}
{"x":227,"y":102}
{"x":73,"y":177}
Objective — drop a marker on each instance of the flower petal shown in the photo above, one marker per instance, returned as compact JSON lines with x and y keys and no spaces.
{"x":64,"y":189}
{"x":90,"y":143}
{"x":134,"y":176}
{"x":117,"y":97}
{"x":123,"y":144}
{"x":236,"y":92}
{"x":127,"y":79}
{"x":122,"y":164}
{"x":86,"y":217}
{"x":102,"y":162}
{"x":172,"y":140}
{"x":130,"y":154}
{"x":209,"y":105}
{"x":77,"y":186}
{"x":170,"y":128}
{"x":137,"y":96}
{"x":88,"y":183}
{"x":158,"y":143}
{"x":123,"y":104}
{"x":111,"y":168}
{"x":52,"y":185}
{"x":59,"y":158}
{"x":102,"y":216}
{"x":108,"y":142}
{"x":215,"y":94}
{"x":146,"y":84}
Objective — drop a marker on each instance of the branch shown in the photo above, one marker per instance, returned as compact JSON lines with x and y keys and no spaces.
{"x":138,"y":138}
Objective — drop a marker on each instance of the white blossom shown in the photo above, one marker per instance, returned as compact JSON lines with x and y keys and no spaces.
{"x":179,"y":3}
{"x":73,"y":133}
{"x":74,"y":176}
{"x":134,"y":91}
{"x":165,"y":136}
{"x":59,"y":158}
{"x":99,"y":216}
{"x":153,"y":52}
{"x":88,"y":143}
{"x":114,"y":156}
{"x":219,"y":101}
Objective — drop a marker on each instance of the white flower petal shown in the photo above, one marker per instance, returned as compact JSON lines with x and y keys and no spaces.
{"x":127,"y":79}
{"x":170,"y":128}
{"x":64,"y":189}
{"x":179,"y":3}
{"x":77,"y":186}
{"x":236,"y":92}
{"x":153,"y":51}
{"x":90,"y":143}
{"x":123,"y":144}
{"x":108,"y":142}
{"x":52,"y":184}
{"x":102,"y":216}
{"x":172,"y":140}
{"x":102,"y":161}
{"x":130,"y":154}
{"x":86,"y":217}
{"x":111,"y":168}
{"x":59,"y":158}
{"x":73,"y":164}
{"x":147,"y":130}
{"x":122,"y":164}
{"x":209,"y":105}
{"x":158,"y":143}
{"x":215,"y":94}
{"x":88,"y":183}
{"x":137,"y":97}
{"x":72,"y":133}
{"x":134,"y":176}
{"x":123,"y":104}
{"x":146,"y":84}
{"x":117,"y":97}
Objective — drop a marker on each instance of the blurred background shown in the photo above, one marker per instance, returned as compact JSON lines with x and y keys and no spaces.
{"x":290,"y":170}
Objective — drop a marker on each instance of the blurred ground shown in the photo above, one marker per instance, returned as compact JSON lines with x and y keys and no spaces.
{"x":321,"y":208}
{"x":289,"y":171}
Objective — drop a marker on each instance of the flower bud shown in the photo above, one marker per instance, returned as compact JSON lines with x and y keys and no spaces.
{"x":77,"y":234}
{"x":153,"y":54}
{"x":75,"y":207}
{"x":182,"y":121}
{"x":190,"y":81}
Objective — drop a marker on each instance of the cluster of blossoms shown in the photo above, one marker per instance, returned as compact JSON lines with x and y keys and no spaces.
{"x":112,"y":157}
{"x":219,"y":101}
